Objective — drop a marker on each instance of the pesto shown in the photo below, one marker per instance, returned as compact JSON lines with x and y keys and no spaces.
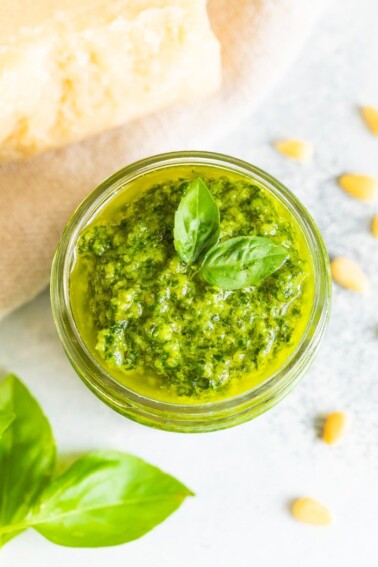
{"x":155,"y":322}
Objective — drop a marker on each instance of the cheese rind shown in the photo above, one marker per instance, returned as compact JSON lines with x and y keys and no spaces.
{"x":68,"y":72}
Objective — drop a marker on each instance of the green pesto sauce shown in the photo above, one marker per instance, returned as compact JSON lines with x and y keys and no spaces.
{"x":153,"y":322}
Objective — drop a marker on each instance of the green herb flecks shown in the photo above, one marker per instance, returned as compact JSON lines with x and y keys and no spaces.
{"x":152,"y":319}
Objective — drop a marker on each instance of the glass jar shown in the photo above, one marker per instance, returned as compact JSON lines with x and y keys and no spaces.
{"x":201,"y":417}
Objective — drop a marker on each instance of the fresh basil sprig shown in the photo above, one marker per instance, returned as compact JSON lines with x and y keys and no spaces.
{"x":233,"y":264}
{"x":242,"y":261}
{"x":197,"y":223}
{"x":104,"y":498}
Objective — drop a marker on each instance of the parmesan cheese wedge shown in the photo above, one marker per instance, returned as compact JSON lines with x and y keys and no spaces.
{"x":70,"y":69}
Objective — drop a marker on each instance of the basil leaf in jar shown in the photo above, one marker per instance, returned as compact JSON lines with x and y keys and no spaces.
{"x":197,"y":223}
{"x":242,"y":261}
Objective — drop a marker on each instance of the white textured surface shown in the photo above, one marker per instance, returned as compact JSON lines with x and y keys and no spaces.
{"x":245,"y":477}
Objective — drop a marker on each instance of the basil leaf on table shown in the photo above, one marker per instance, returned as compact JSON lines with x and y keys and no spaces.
{"x":106,"y":498}
{"x":197,"y":223}
{"x":27,"y":455}
{"x":6,"y":419}
{"x":242,"y":261}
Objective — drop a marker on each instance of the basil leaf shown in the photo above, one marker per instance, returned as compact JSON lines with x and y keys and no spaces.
{"x":242,"y":261}
{"x":197,"y":224}
{"x":6,"y":419}
{"x":106,"y":498}
{"x":27,"y":455}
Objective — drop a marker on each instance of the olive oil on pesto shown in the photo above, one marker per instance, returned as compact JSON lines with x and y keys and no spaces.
{"x":154,"y":323}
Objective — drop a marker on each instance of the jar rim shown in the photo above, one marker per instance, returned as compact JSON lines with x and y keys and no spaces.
{"x":207,"y":415}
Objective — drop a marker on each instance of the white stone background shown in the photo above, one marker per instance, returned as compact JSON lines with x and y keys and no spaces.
{"x":244,"y":478}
